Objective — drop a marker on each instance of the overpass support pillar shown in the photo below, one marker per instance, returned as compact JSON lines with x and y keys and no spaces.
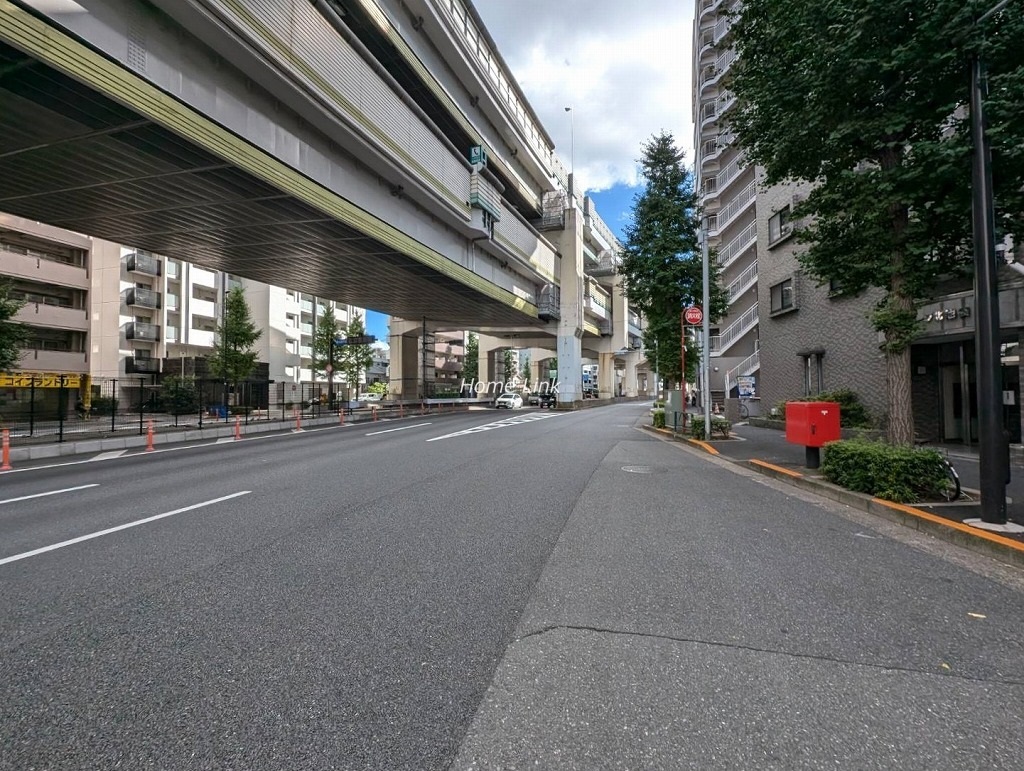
{"x":408,"y":369}
{"x":606,"y":375}
{"x":570,"y":323}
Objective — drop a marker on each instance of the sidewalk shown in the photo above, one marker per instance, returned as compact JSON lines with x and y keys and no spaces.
{"x":767,"y":451}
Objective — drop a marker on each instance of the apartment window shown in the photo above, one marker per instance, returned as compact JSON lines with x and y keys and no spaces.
{"x":782,"y":296}
{"x":779,"y":225}
{"x":814,"y":371}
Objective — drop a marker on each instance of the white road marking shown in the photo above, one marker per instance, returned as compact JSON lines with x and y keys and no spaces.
{"x":52,"y":492}
{"x":389,"y":430}
{"x":108,"y":531}
{"x":515,"y":420}
{"x":225,"y":440}
{"x":108,"y":455}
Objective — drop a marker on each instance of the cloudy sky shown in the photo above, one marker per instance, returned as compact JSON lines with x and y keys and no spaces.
{"x":623,"y":67}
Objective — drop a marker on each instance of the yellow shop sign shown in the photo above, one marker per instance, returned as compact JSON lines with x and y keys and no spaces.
{"x":39,"y":380}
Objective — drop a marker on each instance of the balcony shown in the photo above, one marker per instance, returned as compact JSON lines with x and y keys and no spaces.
{"x":172,"y":334}
{"x":202,"y":337}
{"x":141,"y":330}
{"x":738,"y":245}
{"x":20,"y":262}
{"x":721,"y":342}
{"x":733,"y":209}
{"x":142,"y":298}
{"x":141,"y":365}
{"x":50,"y":315}
{"x":742,"y":283}
{"x":146,"y":264}
{"x":204,"y":308}
{"x":42,"y":360}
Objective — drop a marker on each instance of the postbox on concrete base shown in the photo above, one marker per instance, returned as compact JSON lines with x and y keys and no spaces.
{"x":812,"y":424}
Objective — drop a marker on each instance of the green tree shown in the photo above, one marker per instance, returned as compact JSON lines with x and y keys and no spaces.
{"x":12,"y":333}
{"x":179,"y":395}
{"x":325,"y":352}
{"x":233,"y":358}
{"x":524,"y":368}
{"x":508,"y":366}
{"x":662,"y":266}
{"x":865,"y":98}
{"x":471,"y":363}
{"x":353,"y":360}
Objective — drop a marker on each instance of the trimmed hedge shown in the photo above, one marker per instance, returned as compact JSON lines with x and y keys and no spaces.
{"x":659,"y":418}
{"x":900,"y":474}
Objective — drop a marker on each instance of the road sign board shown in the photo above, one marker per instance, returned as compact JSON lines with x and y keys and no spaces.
{"x":693,"y":315}
{"x":356,"y":340}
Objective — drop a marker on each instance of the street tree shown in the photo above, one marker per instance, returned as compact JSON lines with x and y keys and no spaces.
{"x":354,"y":360}
{"x":867,"y":99}
{"x":662,"y":266}
{"x":508,"y":362}
{"x":13,"y":334}
{"x":471,"y":364}
{"x":325,"y":351}
{"x":233,"y":358}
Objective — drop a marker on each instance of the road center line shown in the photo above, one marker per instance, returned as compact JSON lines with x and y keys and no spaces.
{"x":389,"y":430}
{"x":108,"y":531}
{"x":43,"y":495}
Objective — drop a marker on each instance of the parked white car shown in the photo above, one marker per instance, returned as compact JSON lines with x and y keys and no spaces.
{"x":509,"y":401}
{"x":369,"y":397}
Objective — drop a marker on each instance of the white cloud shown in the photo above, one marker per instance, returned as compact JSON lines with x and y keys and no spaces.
{"x":625,"y":68}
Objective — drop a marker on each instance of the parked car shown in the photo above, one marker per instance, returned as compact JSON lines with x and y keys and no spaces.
{"x":369,"y":397}
{"x":509,"y":401}
{"x":547,"y":399}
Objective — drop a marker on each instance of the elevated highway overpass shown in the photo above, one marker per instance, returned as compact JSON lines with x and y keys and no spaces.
{"x":376,"y":153}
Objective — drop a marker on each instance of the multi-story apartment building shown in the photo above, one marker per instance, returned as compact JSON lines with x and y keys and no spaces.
{"x":727,"y":190}
{"x":102,"y":312}
{"x":51,"y":270}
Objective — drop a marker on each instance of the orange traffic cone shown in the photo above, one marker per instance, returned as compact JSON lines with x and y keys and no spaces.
{"x":6,"y":451}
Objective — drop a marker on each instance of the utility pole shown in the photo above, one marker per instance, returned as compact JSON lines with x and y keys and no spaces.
{"x":994,"y":459}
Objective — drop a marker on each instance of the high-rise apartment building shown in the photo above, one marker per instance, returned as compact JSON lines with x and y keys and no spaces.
{"x":727,"y":191}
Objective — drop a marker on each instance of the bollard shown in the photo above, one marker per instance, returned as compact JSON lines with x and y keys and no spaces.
{"x":422,"y":410}
{"x":341,"y":416}
{"x":238,"y":428}
{"x":6,"y":451}
{"x":149,"y":435}
{"x":298,"y":420}
{"x":374,"y":414}
{"x":401,"y":409}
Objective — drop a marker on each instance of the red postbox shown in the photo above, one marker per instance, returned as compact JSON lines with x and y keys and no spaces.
{"x":812,"y":424}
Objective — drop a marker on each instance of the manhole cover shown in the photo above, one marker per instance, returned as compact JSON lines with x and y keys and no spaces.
{"x":638,"y":469}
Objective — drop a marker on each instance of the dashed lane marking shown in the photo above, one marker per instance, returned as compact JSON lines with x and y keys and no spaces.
{"x":515,"y":420}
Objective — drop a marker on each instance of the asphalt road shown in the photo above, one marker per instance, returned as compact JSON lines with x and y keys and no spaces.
{"x":486,"y":590}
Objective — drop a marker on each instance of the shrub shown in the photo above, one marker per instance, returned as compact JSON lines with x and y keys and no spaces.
{"x":900,"y":474}
{"x":852,"y":414}
{"x":717,"y":424}
{"x":104,"y":405}
{"x":659,"y":418}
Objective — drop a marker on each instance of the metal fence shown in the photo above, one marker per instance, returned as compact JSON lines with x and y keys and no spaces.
{"x":107,"y":406}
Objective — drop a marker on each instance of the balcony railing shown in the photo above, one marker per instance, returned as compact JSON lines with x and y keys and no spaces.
{"x":724,"y":340}
{"x":748,"y":366}
{"x":137,"y":262}
{"x":735,"y":206}
{"x":738,"y":245}
{"x":742,"y":283}
{"x":141,"y":330}
{"x":141,"y":365}
{"x":142,"y":298}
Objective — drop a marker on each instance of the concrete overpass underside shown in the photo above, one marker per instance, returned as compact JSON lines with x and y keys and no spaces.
{"x":73,"y":157}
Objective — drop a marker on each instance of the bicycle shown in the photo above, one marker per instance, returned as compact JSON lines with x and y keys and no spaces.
{"x":949,"y":488}
{"x":744,"y":410}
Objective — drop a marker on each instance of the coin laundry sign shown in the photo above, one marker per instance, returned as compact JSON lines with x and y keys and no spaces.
{"x":948,"y":314}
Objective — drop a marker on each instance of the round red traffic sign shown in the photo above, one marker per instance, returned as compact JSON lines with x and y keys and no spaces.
{"x":693,"y":315}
